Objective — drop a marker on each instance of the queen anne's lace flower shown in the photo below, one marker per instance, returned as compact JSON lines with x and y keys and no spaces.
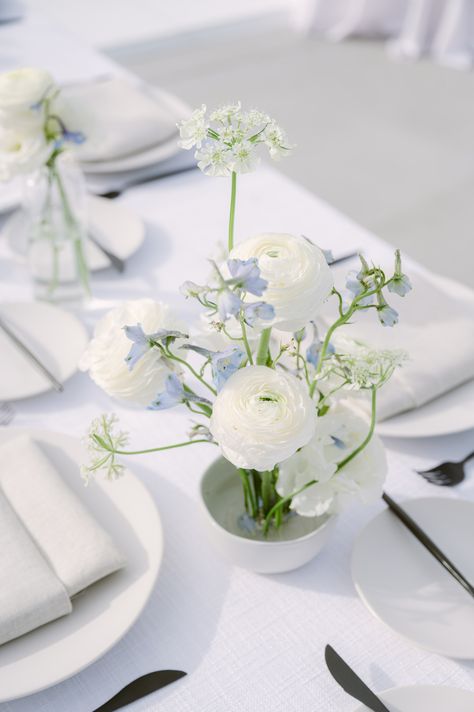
{"x":228,"y":139}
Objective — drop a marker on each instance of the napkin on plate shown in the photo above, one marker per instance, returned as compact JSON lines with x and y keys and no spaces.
{"x":436,"y":329}
{"x":78,"y":549}
{"x":117,"y":118}
{"x":30,"y":592}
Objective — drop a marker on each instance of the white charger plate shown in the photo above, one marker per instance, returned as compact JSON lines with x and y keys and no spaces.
{"x":104,"y":612}
{"x":54,"y":335}
{"x":113,"y":225}
{"x":426,"y":698}
{"x":404,"y":585}
{"x":452,"y":412}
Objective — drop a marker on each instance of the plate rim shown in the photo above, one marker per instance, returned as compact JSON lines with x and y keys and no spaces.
{"x":42,"y":432}
{"x":375,"y":613}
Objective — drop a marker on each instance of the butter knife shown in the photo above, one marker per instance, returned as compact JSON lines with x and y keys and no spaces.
{"x":350,"y":682}
{"x":141,"y":687}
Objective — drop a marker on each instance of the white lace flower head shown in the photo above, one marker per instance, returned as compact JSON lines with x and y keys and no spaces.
{"x":229,"y":139}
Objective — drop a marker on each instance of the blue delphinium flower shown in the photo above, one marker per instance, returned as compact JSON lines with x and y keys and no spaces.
{"x":191,"y":289}
{"x":387,"y":315}
{"x":314,"y":349}
{"x":399,"y":284}
{"x":76,"y":137}
{"x":174,"y":394}
{"x":246,"y":275}
{"x":258,"y":310}
{"x":143,"y":342}
{"x":353,"y":284}
{"x":340,"y":444}
{"x":225,"y":363}
{"x":228,"y":304}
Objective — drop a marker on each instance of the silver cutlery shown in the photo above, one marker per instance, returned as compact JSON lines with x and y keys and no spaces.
{"x":350,"y":682}
{"x":112,"y":194}
{"x":6,"y":414}
{"x":141,"y":687}
{"x":447,"y":474}
{"x":34,"y":360}
{"x":428,"y":543}
{"x":343,"y":258}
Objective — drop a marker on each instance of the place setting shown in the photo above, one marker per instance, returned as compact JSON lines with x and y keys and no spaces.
{"x":272,"y":395}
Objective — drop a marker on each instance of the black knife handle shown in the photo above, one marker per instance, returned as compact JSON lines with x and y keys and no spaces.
{"x":141,"y":687}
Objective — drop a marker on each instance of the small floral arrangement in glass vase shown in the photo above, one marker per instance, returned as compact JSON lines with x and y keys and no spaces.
{"x":34,"y":144}
{"x":268,"y":395}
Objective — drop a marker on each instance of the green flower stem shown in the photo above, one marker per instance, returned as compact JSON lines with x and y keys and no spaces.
{"x":262,"y":353}
{"x":173,"y":356}
{"x":249,"y":496}
{"x":103,"y":444}
{"x":281,"y":503}
{"x":267,"y":490}
{"x":365,"y":442}
{"x":233,"y":194}
{"x":71,"y":220}
{"x":245,"y":340}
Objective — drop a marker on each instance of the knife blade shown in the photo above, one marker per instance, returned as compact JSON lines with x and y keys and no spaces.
{"x":141,"y":687}
{"x":350,"y":682}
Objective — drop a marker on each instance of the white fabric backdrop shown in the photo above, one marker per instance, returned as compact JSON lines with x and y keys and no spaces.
{"x":442,"y":29}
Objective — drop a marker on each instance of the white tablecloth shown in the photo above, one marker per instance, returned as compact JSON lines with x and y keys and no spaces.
{"x":249,"y":643}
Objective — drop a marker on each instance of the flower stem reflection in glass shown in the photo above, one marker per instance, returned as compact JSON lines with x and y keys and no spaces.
{"x":55,"y":205}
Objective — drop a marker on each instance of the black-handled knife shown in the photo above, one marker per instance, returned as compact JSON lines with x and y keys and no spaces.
{"x":350,"y":682}
{"x":141,"y":687}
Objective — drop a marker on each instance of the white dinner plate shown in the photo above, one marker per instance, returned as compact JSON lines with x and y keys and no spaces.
{"x":426,"y":698}
{"x":407,"y":588}
{"x":104,"y":612}
{"x":452,"y":412}
{"x":113,"y":225}
{"x":52,"y":334}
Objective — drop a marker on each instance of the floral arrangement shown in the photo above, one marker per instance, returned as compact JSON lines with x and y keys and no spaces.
{"x":268,"y":387}
{"x":34,"y":139}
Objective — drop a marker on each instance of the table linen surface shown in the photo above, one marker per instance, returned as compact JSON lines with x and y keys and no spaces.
{"x":247,"y":642}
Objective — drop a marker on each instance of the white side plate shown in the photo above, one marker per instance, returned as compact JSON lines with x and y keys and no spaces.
{"x":426,"y":698}
{"x":407,"y":588}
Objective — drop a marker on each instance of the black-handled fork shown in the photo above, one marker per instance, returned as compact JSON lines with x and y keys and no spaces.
{"x":447,"y":474}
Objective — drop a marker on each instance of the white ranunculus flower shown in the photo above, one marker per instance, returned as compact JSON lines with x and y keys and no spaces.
{"x":262,"y":416}
{"x":105,"y":355}
{"x":298,"y":276}
{"x":338,"y":434}
{"x":21,"y":154}
{"x":22,"y":89}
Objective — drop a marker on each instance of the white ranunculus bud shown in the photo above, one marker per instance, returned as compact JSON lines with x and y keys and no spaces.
{"x":338,"y":434}
{"x":105,"y":355}
{"x":261,"y":417}
{"x":22,"y":89}
{"x":22,"y":154}
{"x":298,"y":276}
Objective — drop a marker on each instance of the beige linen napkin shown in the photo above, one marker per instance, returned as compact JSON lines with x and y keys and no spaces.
{"x":436,"y":329}
{"x":30,"y":592}
{"x":77,"y":548}
{"x":117,"y":118}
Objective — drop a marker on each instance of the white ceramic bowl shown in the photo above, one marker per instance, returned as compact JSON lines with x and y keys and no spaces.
{"x":222,"y":501}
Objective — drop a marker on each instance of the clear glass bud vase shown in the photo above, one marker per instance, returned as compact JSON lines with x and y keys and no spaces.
{"x":55,"y":206}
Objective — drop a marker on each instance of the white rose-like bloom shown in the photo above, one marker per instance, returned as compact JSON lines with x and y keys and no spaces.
{"x":23,"y":88}
{"x":338,"y":434}
{"x":105,"y":355}
{"x":22,"y":154}
{"x":261,"y":417}
{"x":298,"y":276}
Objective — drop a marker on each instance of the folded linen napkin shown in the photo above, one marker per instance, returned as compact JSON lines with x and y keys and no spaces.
{"x":117,"y":118}
{"x":30,"y":592}
{"x":436,"y":329}
{"x":78,"y":549}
